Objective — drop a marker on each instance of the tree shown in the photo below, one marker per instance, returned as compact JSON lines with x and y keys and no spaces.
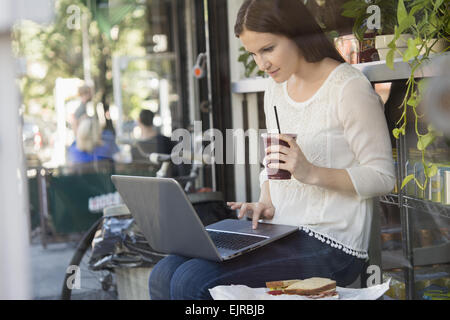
{"x":57,"y":48}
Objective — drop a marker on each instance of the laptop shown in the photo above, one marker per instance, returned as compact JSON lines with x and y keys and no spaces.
{"x":170,"y":224}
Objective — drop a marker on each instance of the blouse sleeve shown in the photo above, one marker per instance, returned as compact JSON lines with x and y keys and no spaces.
{"x":361,"y":113}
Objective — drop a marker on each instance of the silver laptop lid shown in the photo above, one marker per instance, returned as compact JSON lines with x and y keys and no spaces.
{"x":165,"y":216}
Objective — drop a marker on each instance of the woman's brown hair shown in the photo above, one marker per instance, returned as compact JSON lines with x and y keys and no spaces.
{"x":291,"y":19}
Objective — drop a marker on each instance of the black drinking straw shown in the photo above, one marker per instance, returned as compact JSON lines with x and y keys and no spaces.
{"x":276,"y":116}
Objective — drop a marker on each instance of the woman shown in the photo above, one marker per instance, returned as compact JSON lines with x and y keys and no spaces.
{"x":339,"y":161}
{"x":90,"y":144}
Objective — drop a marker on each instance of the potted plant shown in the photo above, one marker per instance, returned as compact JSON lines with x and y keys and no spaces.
{"x":429,"y":23}
{"x":360,"y":11}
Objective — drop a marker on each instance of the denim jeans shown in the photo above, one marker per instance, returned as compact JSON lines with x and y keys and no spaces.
{"x":297,"y":256}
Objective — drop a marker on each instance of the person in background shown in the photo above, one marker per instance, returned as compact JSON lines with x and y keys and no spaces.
{"x":88,"y":146}
{"x":85,"y":94}
{"x":151,"y":140}
{"x":109,"y":133}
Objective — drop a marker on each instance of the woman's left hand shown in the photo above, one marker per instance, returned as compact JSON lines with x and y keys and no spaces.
{"x":294,"y":160}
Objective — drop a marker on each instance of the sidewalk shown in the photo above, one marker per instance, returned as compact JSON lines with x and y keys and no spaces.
{"x":49,"y":267}
{"x":48,"y":271}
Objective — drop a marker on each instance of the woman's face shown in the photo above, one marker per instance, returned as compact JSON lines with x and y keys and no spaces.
{"x":274,"y":54}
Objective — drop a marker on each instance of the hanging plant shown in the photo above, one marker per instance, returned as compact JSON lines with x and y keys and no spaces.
{"x":428,"y":21}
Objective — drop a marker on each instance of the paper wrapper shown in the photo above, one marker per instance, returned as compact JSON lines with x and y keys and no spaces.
{"x":241,"y":292}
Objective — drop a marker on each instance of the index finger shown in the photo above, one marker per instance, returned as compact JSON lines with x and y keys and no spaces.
{"x":255,"y":218}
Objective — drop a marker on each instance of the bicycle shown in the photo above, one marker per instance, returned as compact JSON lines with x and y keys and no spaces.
{"x":96,"y":278}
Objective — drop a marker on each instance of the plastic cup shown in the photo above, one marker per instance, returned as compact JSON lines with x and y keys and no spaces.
{"x":270,"y":140}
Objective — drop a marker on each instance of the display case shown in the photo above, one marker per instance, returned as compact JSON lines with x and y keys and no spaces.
{"x":415,"y":230}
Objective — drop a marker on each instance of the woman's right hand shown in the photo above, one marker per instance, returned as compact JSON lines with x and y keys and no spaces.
{"x":255,"y":210}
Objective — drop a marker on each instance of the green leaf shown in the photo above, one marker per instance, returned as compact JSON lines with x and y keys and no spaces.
{"x":243,"y":58}
{"x":359,"y":28}
{"x":396,"y":133}
{"x":425,"y":141}
{"x":416,"y":6}
{"x":406,"y":180}
{"x":355,"y":5}
{"x":396,"y":36}
{"x":402,"y":14}
{"x":405,"y":24}
{"x":432,"y":23}
{"x":350,"y":13}
{"x":411,"y":52}
{"x":437,"y":4}
{"x":390,"y":59}
{"x":249,"y":69}
{"x":392,"y":44}
{"x":412,"y":101}
{"x":431,"y":170}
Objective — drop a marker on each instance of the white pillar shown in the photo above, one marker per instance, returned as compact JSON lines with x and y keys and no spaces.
{"x":15,"y":275}
{"x":15,"y":279}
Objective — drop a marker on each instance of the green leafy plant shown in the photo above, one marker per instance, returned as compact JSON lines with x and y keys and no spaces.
{"x":428,"y":21}
{"x":249,"y":63}
{"x":357,"y":9}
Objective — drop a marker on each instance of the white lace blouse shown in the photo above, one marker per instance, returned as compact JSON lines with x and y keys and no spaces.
{"x":342,"y":126}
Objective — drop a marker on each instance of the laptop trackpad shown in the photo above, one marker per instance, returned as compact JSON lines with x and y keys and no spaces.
{"x":245,"y":226}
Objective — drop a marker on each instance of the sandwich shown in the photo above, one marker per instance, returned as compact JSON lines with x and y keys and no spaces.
{"x":312,"y":287}
{"x":277,"y":287}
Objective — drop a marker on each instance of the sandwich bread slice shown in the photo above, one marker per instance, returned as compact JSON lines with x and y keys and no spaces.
{"x":279,"y":285}
{"x":313,"y":287}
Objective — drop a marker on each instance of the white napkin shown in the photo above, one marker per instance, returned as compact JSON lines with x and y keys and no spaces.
{"x":241,"y":292}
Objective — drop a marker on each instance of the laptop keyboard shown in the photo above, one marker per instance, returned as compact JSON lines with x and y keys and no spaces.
{"x":233,"y":241}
